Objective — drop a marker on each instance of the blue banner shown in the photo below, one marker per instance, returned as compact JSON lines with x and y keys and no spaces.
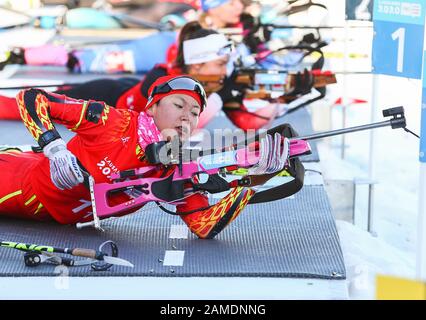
{"x":423,"y":115}
{"x":398,"y":37}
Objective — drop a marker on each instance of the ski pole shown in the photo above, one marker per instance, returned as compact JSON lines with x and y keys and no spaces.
{"x":78,"y":252}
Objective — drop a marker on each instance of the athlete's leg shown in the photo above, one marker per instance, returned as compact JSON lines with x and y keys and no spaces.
{"x":9,"y":109}
{"x":244,"y":119}
{"x":107,"y":90}
{"x":17,"y":198}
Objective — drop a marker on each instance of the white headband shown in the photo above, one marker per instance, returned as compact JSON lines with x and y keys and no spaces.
{"x":211,"y":47}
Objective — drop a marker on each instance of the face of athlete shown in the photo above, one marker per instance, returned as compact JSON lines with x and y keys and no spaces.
{"x":176,"y":114}
{"x":214,"y":67}
{"x":227,"y":14}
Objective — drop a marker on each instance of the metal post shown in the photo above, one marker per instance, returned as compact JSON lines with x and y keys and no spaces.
{"x":344,"y":89}
{"x":354,"y":201}
{"x":372,"y":154}
{"x":421,"y":226}
{"x":345,"y":130}
{"x":343,"y":149}
{"x":421,"y":217}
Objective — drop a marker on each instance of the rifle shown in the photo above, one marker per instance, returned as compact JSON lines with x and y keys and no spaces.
{"x":266,"y":84}
{"x":180,"y":165}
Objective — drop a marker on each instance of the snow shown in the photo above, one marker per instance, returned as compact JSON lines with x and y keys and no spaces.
{"x":367,"y":256}
{"x":396,"y":176}
{"x":392,"y":248}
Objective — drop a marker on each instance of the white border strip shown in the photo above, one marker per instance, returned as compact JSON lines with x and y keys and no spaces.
{"x":152,"y":288}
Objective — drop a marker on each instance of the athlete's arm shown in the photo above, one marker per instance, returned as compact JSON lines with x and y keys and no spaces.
{"x":40,"y":109}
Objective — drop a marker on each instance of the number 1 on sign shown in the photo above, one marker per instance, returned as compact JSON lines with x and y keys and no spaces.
{"x":400,"y":35}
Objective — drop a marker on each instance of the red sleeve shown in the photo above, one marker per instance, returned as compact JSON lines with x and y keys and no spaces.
{"x":39,"y":109}
{"x":172,"y":53}
{"x":245,"y":119}
{"x":9,"y":109}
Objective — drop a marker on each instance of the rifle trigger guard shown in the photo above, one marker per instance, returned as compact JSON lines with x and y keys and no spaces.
{"x":214,"y":184}
{"x":244,"y":182}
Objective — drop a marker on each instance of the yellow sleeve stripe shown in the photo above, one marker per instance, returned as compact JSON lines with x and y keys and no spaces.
{"x":40,"y":205}
{"x":10,"y":195}
{"x":30,"y":200}
{"x":83,"y":111}
{"x":14,"y":153}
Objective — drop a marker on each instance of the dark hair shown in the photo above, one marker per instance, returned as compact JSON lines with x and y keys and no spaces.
{"x":191,"y":30}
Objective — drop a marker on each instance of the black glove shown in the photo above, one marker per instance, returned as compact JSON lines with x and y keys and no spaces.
{"x":231,"y":90}
{"x":73,"y":64}
{"x":303,"y":83}
{"x":214,"y":184}
{"x":256,"y":34}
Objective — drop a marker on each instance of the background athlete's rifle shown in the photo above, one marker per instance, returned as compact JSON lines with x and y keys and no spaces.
{"x":255,"y":32}
{"x":265,"y":81}
{"x":300,"y":83}
{"x":267,"y":84}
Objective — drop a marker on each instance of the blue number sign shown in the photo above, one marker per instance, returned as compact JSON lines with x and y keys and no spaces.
{"x":398,"y":37}
{"x":423,"y":122}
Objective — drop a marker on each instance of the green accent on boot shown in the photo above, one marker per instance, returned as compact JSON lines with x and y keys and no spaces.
{"x":244,"y":172}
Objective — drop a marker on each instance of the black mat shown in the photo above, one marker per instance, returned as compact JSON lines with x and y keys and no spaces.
{"x":289,"y":238}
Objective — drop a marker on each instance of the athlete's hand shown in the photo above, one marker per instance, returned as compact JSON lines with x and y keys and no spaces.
{"x":274,"y":153}
{"x":64,"y":169}
{"x":232,"y":91}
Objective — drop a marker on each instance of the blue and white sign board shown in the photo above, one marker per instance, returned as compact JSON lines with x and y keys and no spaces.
{"x":421,"y":219}
{"x":398,"y":37}
{"x":423,"y":121}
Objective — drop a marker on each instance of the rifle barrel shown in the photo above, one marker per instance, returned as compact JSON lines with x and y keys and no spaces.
{"x":394,"y":123}
{"x":345,"y":130}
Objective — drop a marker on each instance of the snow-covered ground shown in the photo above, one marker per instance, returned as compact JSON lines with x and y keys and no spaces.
{"x":392,"y":249}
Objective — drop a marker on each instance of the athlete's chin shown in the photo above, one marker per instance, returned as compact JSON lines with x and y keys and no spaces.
{"x":183,"y":132}
{"x":183,"y":136}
